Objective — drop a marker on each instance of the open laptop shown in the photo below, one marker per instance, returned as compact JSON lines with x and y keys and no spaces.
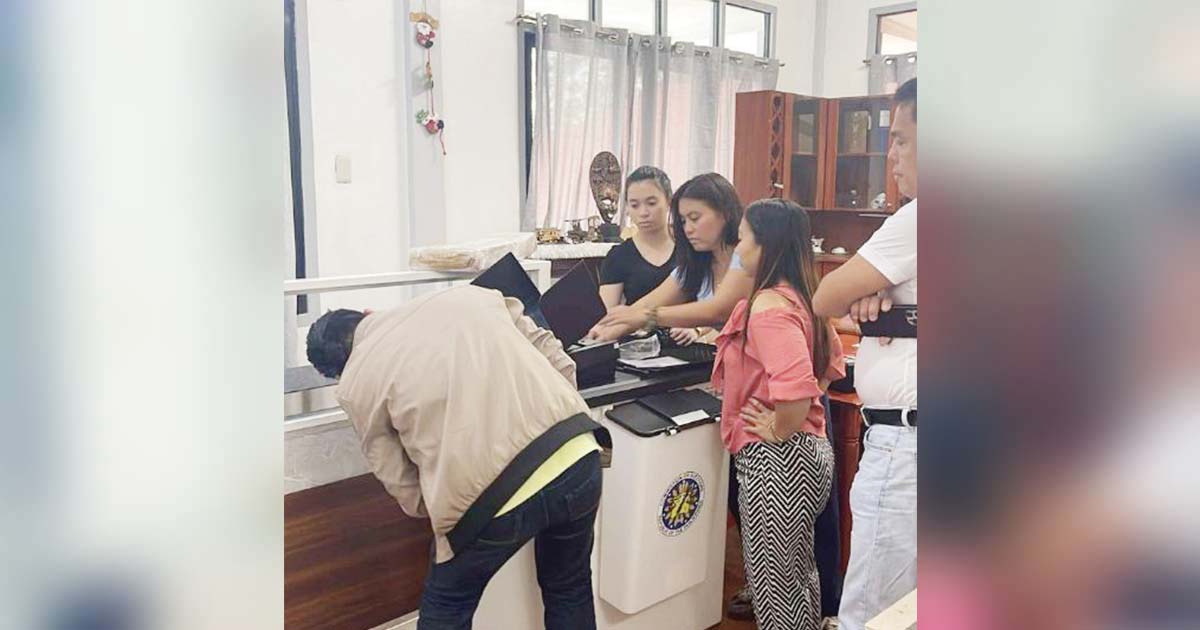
{"x":508,"y":277}
{"x":568,"y":309}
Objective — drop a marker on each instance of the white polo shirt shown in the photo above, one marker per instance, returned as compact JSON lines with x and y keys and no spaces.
{"x":886,"y":376}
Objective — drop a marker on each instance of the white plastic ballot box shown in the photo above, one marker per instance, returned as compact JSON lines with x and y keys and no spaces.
{"x":659,"y":555}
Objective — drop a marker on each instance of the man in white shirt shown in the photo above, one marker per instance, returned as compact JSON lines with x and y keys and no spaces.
{"x":883,"y":497}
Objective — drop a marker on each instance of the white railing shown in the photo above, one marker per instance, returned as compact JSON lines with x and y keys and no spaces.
{"x":538,"y":270}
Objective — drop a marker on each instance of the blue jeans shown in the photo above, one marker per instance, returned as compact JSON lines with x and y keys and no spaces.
{"x":560,"y":520}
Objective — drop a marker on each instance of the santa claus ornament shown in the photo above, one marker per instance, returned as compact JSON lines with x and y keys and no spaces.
{"x":426,"y":30}
{"x":425,"y":33}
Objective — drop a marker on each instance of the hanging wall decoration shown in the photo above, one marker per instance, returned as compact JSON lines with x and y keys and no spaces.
{"x":426,"y":31}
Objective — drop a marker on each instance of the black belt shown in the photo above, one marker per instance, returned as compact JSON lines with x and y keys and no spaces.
{"x":890,"y":417}
{"x":517,"y":472}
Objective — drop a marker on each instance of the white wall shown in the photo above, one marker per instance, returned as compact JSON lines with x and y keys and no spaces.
{"x":842,"y":72}
{"x":795,"y":35}
{"x":362,"y":226}
{"x":363,"y":67}
{"x":483,"y":128}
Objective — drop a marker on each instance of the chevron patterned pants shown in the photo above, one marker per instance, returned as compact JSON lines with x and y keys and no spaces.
{"x":784,"y":487}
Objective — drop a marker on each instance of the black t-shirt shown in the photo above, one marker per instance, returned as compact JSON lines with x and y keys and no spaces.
{"x":624,"y":265}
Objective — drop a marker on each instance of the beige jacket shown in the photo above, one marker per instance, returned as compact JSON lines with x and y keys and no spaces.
{"x":446,"y":390}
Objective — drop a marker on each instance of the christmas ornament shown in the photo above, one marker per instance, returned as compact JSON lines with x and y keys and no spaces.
{"x":431,"y":123}
{"x":426,"y":32}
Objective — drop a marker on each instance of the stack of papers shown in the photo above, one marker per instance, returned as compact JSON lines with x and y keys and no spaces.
{"x":656,"y":362}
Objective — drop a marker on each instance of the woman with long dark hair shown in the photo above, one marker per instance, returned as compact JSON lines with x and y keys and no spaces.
{"x":772,"y":420}
{"x":705,"y":213}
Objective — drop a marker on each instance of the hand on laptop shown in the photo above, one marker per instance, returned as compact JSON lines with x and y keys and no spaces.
{"x":600,"y":332}
{"x":626,"y":318}
{"x":685,"y":336}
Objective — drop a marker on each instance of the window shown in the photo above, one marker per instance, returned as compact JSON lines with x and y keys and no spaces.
{"x":748,"y":28}
{"x":693,"y":21}
{"x":636,"y":16}
{"x":898,"y":33}
{"x":892,"y":30}
{"x":565,"y":9}
{"x":295,"y":74}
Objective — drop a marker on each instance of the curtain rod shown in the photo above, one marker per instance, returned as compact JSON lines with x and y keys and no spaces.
{"x":529,"y":19}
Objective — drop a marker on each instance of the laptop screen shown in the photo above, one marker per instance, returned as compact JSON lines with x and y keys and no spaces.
{"x":573,"y":305}
{"x":507,"y":277}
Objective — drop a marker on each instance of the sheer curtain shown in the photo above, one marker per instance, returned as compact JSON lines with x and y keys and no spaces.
{"x":646,"y":99}
{"x":581,"y":103}
{"x":889,"y":72}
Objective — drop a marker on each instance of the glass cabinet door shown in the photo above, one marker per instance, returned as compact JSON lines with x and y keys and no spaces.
{"x":860,"y":162}
{"x":807,"y":125}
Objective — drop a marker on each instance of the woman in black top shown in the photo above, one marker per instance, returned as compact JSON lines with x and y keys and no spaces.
{"x":638,"y":265}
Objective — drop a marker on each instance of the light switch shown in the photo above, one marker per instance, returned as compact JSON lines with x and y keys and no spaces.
{"x":341,"y":168}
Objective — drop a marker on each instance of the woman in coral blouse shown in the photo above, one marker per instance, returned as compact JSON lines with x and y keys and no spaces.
{"x":772,"y":419}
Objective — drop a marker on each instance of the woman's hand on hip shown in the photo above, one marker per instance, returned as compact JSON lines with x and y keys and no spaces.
{"x":760,"y":422}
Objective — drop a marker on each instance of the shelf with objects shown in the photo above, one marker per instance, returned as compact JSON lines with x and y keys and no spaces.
{"x":860,"y":192}
{"x":828,"y":155}
{"x":859,"y":175}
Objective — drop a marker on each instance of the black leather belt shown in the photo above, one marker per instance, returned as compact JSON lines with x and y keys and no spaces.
{"x":890,"y":417}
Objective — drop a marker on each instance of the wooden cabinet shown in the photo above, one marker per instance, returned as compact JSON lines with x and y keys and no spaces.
{"x":847,"y":429}
{"x":846,"y":421}
{"x":780,"y":148}
{"x":828,"y":155}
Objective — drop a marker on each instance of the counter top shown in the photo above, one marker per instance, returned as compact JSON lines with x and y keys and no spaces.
{"x":304,"y":378}
{"x":628,"y":387}
{"x":625,"y":387}
{"x":557,"y":251}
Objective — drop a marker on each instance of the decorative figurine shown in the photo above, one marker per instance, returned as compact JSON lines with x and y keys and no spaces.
{"x":431,"y":123}
{"x":425,"y":34}
{"x":575,"y":231}
{"x":549,"y":235}
{"x":605,"y":178}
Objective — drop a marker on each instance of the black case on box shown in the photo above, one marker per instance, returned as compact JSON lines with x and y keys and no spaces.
{"x":652,"y":414}
{"x":595,"y":364}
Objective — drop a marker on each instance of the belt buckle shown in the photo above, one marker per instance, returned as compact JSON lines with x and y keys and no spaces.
{"x":862,"y":411}
{"x":904,"y":417}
